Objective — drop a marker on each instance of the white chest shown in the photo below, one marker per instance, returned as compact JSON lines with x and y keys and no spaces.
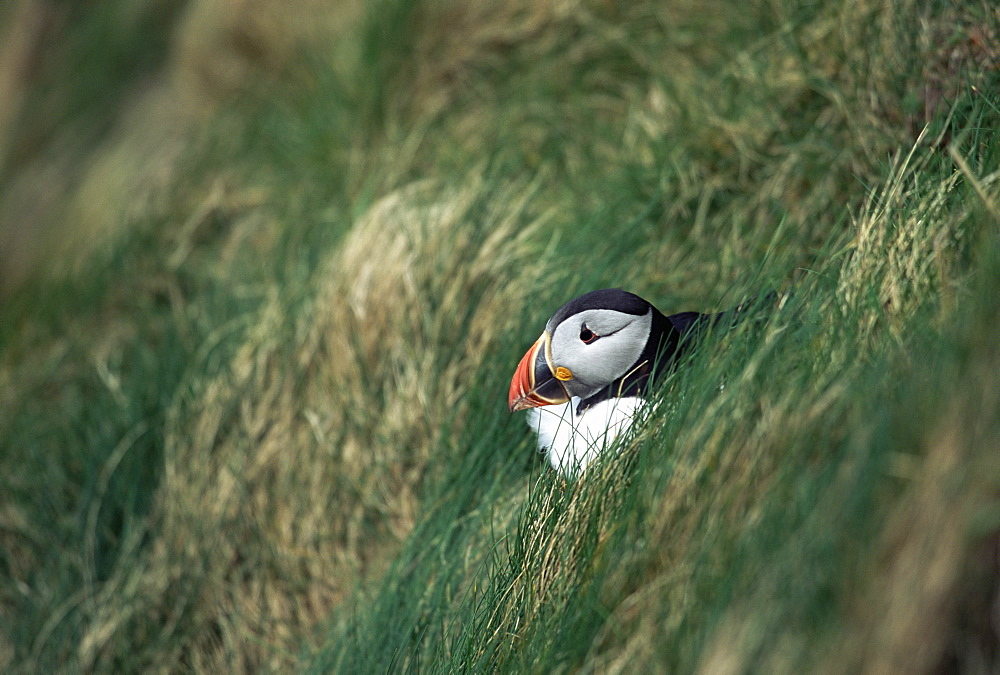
{"x":572,"y":440}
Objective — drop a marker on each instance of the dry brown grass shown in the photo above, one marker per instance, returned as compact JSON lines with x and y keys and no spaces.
{"x":926,"y":548}
{"x":912,"y":256}
{"x":294,"y":474}
{"x":72,"y":198}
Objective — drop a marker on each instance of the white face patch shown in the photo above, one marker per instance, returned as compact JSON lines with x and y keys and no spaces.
{"x":618,"y":341}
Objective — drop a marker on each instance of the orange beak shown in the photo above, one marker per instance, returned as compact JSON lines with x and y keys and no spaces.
{"x":534,"y":383}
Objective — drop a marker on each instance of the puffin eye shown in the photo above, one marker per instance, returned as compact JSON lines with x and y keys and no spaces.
{"x":586,"y":335}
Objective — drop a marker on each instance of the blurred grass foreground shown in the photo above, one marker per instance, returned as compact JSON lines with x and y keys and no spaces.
{"x":266,"y":269}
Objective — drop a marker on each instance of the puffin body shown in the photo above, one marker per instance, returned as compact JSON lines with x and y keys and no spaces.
{"x":588,"y":374}
{"x":573,"y":440}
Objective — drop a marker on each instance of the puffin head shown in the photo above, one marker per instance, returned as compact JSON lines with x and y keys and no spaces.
{"x":588,"y":345}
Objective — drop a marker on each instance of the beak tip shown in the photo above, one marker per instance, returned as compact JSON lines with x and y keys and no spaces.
{"x":520,"y":403}
{"x":525,"y":392}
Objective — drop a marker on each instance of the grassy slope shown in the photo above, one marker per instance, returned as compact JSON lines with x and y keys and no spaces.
{"x":264,"y":427}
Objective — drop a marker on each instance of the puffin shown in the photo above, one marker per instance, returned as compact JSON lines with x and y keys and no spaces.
{"x":590,"y":374}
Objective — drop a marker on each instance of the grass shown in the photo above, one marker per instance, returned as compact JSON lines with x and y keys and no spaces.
{"x":251,"y":410}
